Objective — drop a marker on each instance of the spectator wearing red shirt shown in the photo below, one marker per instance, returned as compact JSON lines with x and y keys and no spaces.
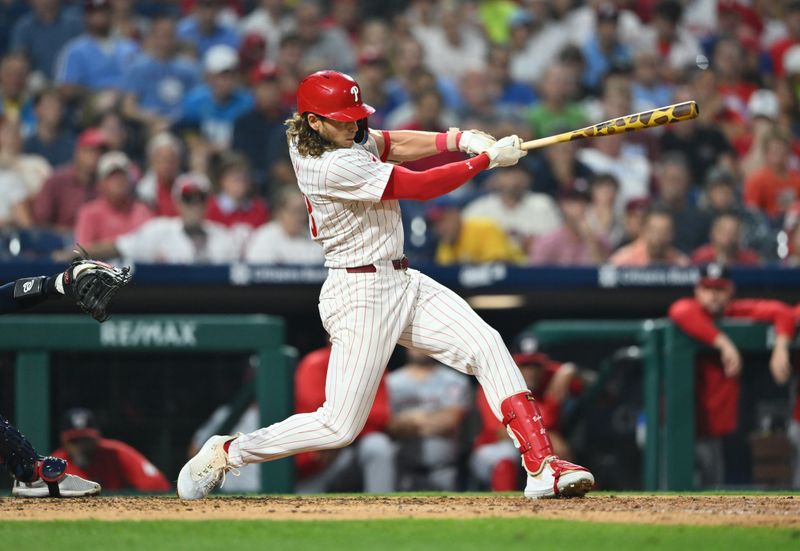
{"x":235,"y":202}
{"x":69,"y":187}
{"x":717,"y":373}
{"x":115,"y":212}
{"x":774,"y":187}
{"x":724,"y":246}
{"x":495,"y":460}
{"x":164,"y":165}
{"x":777,"y":50}
{"x":368,"y":463}
{"x":114,"y":464}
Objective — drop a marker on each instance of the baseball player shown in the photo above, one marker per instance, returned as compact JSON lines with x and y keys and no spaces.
{"x":93,"y":286}
{"x":114,"y":464}
{"x":372,"y":300}
{"x":717,"y":375}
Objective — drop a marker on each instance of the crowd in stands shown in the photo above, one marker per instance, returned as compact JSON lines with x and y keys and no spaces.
{"x":154,"y":131}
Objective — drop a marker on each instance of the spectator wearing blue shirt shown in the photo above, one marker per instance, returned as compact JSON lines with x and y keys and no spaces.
{"x":604,"y":51}
{"x":213,"y":107}
{"x":203,"y":30}
{"x":43,"y":32}
{"x":260,"y":134}
{"x":512,"y":92}
{"x":94,"y":60}
{"x":648,"y":90}
{"x":49,"y":137}
{"x":157,"y":82}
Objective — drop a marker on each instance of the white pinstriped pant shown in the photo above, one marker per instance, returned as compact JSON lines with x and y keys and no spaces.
{"x":366,"y":315}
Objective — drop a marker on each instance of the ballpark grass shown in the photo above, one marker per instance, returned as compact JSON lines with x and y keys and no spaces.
{"x":378,"y":535}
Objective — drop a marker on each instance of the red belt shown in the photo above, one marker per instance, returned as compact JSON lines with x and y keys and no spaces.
{"x":400,"y":264}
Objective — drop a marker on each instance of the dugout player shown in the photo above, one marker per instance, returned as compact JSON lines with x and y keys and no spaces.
{"x":113,"y":463}
{"x":429,"y":403}
{"x":717,"y":374}
{"x":372,"y":300}
{"x":35,"y":475}
{"x":493,"y":461}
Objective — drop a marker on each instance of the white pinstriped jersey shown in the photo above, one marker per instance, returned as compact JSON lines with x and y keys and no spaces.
{"x":343,"y":190}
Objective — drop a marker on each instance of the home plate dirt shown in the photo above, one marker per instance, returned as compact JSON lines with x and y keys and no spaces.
{"x":783,"y":511}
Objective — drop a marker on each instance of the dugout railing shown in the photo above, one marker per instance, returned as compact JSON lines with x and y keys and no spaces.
{"x":668,"y":392}
{"x":34,"y":338}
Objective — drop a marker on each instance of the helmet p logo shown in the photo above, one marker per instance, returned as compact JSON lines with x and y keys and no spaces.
{"x":354,"y":91}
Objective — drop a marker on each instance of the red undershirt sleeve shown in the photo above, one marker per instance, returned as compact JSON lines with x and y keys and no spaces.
{"x":434,"y":182}
{"x":693,"y":320}
{"x":779,"y":313}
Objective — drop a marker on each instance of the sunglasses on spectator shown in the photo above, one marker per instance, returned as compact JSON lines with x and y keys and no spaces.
{"x":194,"y":198}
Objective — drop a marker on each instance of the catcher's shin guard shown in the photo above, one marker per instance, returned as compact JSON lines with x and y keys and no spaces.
{"x":523,"y":422}
{"x":24,"y":464}
{"x":17,"y":453}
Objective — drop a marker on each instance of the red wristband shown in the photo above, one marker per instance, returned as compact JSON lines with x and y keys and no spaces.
{"x":448,"y":141}
{"x":441,"y":142}
{"x":387,"y":145}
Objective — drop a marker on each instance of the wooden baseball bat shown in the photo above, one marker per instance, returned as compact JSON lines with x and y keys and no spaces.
{"x":628,"y":123}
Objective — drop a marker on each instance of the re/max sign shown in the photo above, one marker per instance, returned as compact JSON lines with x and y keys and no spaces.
{"x":148,"y":333}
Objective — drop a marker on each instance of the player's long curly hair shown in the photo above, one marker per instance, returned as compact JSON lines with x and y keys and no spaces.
{"x":308,"y":141}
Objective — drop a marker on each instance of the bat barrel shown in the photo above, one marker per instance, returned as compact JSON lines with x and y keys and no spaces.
{"x":646,"y":119}
{"x":668,"y":114}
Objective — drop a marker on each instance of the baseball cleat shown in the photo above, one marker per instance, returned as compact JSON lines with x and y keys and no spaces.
{"x":69,"y":486}
{"x":206,"y":470}
{"x":559,"y":478}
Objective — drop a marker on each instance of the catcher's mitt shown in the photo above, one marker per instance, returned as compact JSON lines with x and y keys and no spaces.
{"x":93,"y":284}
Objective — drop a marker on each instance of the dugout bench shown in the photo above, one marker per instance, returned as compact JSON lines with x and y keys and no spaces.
{"x":34,"y":337}
{"x":668,"y":361}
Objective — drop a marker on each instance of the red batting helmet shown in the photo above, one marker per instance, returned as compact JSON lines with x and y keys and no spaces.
{"x":333,"y":95}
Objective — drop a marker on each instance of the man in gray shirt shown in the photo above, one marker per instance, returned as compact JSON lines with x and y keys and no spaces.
{"x":428,"y":402}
